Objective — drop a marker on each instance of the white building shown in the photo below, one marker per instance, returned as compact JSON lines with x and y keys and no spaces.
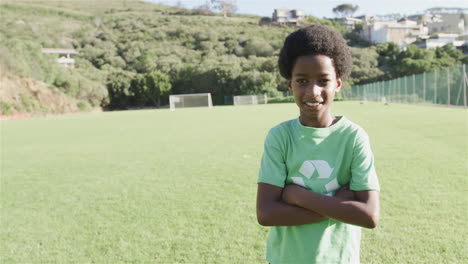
{"x":445,"y":28}
{"x":447,"y":23}
{"x":402,"y":32}
{"x":288,"y":16}
{"x":349,"y":22}
{"x":440,"y":40}
{"x":65,"y":58}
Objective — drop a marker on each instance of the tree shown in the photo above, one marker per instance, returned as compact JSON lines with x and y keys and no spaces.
{"x":118,"y":86}
{"x":138,"y":90}
{"x":345,"y":10}
{"x":258,"y":47}
{"x":256,"y":82}
{"x":365,"y":66}
{"x":265,"y":21}
{"x":396,"y":63}
{"x":158,"y":85}
{"x":204,"y":9}
{"x":225,"y":6}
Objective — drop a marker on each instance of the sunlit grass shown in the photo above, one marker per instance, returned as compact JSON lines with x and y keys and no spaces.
{"x":156,"y":186}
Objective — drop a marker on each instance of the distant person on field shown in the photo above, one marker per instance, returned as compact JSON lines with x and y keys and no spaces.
{"x":317,"y":185}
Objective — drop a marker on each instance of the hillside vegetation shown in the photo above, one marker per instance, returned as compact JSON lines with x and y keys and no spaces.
{"x":134,"y":53}
{"x":33,"y":96}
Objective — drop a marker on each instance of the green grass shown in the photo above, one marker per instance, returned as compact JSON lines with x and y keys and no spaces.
{"x":155,"y":186}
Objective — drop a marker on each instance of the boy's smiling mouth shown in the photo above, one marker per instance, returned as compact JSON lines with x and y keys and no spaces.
{"x":312,"y":104}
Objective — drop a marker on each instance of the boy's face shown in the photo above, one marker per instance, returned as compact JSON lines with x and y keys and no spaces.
{"x":314,"y":85}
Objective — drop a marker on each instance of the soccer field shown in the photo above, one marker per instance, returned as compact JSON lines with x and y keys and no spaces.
{"x":155,"y":186}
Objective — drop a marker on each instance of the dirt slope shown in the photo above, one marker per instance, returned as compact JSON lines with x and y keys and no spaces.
{"x":27,"y":96}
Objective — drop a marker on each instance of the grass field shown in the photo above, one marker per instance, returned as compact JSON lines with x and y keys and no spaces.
{"x":155,"y":186}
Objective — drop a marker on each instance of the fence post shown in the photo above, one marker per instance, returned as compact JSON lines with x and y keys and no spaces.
{"x":465,"y":79}
{"x":424,"y":86}
{"x":373,"y":91}
{"x":448,"y":87}
{"x":376,"y":92}
{"x":397,"y":89}
{"x":376,"y":87}
{"x":435,"y":86}
{"x":414,"y":89}
{"x":363,"y":93}
{"x":385,"y":91}
{"x":390,"y":89}
{"x":381,"y":92}
{"x":406,"y":89}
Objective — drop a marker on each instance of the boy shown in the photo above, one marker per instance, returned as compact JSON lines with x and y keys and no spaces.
{"x":317,"y":184}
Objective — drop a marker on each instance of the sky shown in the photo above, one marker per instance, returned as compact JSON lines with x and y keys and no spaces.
{"x":324,"y":8}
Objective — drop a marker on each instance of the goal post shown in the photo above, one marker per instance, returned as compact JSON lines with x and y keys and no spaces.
{"x":250,"y":99}
{"x":190,"y":100}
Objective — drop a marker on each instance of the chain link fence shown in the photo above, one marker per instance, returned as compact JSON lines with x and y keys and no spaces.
{"x":442,"y":87}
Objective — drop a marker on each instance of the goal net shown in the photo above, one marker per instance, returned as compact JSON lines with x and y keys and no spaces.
{"x":190,"y":100}
{"x":250,"y":99}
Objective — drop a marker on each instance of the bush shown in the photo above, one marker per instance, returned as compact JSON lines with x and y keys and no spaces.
{"x":83,"y":106}
{"x":118,"y":86}
{"x":6,"y":108}
{"x":285,"y":99}
{"x":257,"y":47}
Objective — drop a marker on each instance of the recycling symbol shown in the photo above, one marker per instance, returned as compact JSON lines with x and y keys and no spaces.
{"x":324,"y":171}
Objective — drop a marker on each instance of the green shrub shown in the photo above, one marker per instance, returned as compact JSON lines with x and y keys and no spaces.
{"x":83,"y":106}
{"x":29,"y":104}
{"x":6,"y":108}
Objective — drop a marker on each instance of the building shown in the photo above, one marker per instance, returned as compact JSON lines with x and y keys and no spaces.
{"x":442,"y":39}
{"x":427,"y":31}
{"x":445,"y":28}
{"x":288,"y":16}
{"x":402,"y":32}
{"x":447,"y":23}
{"x":349,"y":22}
{"x":64,"y":58}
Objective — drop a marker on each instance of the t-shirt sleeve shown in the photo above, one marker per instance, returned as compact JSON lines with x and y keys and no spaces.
{"x":273,"y":166}
{"x":363,"y":174}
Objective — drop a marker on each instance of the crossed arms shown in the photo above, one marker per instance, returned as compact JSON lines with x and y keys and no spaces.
{"x":294,"y":205}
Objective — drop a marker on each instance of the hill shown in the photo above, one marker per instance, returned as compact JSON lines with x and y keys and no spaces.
{"x":134,"y":53}
{"x":126,"y":38}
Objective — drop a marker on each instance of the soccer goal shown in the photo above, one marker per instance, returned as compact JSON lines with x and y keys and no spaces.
{"x":250,"y":99}
{"x":190,"y":100}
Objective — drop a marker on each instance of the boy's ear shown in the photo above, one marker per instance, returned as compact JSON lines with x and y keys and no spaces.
{"x":339,"y":83}
{"x":289,"y":85}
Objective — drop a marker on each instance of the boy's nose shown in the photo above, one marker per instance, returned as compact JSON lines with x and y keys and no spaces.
{"x":313,"y":90}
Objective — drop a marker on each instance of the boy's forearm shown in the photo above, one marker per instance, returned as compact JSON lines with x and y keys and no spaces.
{"x":279,"y":213}
{"x":349,"y":211}
{"x":272,"y":211}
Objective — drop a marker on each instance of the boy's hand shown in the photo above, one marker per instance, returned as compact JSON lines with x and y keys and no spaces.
{"x":345,"y":193}
{"x":290,"y":194}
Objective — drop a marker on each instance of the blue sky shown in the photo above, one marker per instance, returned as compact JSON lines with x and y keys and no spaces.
{"x":324,"y":8}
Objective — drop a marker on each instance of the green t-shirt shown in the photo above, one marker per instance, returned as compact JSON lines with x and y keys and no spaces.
{"x":321,"y":160}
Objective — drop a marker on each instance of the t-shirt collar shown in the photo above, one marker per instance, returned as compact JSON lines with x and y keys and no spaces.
{"x":320,"y":131}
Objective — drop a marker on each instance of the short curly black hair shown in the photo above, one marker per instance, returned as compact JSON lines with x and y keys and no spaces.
{"x":315,"y":39}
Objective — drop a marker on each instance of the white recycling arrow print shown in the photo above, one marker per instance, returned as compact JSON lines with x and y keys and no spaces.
{"x":298,"y":181}
{"x":332,"y":186}
{"x":309,"y":166}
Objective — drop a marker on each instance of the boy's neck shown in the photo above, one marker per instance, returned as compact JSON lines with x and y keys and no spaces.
{"x":318,"y":122}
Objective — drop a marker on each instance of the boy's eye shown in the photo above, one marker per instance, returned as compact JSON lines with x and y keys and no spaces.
{"x":301,"y":81}
{"x":323,"y":81}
